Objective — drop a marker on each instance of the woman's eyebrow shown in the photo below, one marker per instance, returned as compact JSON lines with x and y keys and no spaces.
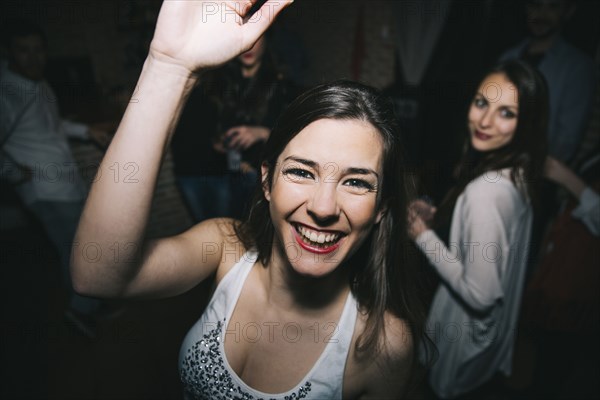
{"x":360,"y":171}
{"x":315,"y":165}
{"x":482,"y":96}
{"x":308,"y":163}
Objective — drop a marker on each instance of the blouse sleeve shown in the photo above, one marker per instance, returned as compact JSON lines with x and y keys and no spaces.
{"x":588,"y":210}
{"x":472,"y":267}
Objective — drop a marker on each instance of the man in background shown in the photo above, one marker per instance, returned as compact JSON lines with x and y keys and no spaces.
{"x":35,"y":154}
{"x":569,"y":72}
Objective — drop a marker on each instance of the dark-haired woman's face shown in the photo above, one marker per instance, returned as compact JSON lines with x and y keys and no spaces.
{"x":493,"y":115}
{"x":253,"y":56}
{"x":323,"y":198}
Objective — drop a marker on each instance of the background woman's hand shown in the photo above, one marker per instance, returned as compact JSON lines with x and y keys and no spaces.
{"x":197,"y":34}
{"x":420,"y":216}
{"x":425,"y":210}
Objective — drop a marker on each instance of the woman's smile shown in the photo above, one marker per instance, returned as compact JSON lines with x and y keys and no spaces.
{"x":317,"y":241}
{"x":323,"y":199}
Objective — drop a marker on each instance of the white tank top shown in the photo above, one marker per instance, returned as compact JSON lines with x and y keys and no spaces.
{"x":203,"y":366}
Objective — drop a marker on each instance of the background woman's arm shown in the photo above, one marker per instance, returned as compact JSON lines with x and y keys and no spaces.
{"x":471,"y":267}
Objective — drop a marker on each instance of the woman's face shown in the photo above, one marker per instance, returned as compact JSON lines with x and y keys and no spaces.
{"x":253,"y":56}
{"x":493,"y":114}
{"x":323,"y":198}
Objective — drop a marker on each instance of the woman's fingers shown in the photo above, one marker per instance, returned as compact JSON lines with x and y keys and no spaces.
{"x":258,"y":23}
{"x":201,"y":34}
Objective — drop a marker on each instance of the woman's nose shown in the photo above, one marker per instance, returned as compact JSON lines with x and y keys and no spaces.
{"x":323,"y":206}
{"x":486,"y":119}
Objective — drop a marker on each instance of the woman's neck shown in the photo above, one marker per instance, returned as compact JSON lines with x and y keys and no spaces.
{"x":289,"y":290}
{"x":250,"y":70}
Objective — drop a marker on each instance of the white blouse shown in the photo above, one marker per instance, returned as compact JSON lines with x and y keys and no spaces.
{"x":473,"y":317}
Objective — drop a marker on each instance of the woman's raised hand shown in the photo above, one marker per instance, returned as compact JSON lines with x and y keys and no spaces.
{"x":197,"y":34}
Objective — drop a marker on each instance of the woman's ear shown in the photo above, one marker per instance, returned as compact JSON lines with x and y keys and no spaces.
{"x":264,"y":170}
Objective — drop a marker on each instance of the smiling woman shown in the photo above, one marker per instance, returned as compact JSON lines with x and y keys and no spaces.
{"x":493,"y":114}
{"x":315,"y":296}
{"x":316,"y":190}
{"x":489,"y":211}
{"x":329,"y":218}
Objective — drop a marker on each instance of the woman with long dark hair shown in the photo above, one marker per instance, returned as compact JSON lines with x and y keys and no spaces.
{"x":489,"y":211}
{"x":313,"y":297}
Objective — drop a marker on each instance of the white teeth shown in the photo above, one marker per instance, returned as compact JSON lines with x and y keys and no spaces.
{"x":317,"y":237}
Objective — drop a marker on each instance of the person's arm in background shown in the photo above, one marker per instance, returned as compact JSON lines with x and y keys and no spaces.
{"x":98,"y":133}
{"x":588,"y":210}
{"x":11,"y":171}
{"x":572,"y":115}
{"x":463,"y":266}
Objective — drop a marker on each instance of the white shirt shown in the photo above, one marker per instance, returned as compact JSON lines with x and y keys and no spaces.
{"x":473,"y":316}
{"x":33,"y":135}
{"x":206,"y":373}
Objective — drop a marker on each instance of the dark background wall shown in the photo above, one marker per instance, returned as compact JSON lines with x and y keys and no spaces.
{"x":96,"y":50}
{"x":114,"y":34}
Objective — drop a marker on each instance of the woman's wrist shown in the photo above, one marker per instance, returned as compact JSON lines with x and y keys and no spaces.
{"x":164,"y":82}
{"x":422,"y":236}
{"x":169,"y":66}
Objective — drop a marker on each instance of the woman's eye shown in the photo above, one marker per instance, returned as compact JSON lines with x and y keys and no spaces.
{"x":297,"y":174}
{"x":479,"y":102}
{"x":505,"y":113}
{"x":359,"y":184}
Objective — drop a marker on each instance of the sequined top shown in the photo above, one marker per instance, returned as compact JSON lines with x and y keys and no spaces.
{"x":206,"y":373}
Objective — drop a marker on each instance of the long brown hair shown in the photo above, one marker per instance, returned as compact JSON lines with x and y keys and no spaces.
{"x":524,"y":155}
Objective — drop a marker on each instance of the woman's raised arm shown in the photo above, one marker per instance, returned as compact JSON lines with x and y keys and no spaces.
{"x":109,"y":258}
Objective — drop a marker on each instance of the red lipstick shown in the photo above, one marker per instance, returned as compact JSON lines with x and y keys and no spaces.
{"x":314,"y":249}
{"x":482,"y":136}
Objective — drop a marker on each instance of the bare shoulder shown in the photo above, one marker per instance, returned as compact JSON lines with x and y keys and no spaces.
{"x":173,"y":265}
{"x":381,"y":374}
{"x":218,"y":238}
{"x":211,"y":231}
